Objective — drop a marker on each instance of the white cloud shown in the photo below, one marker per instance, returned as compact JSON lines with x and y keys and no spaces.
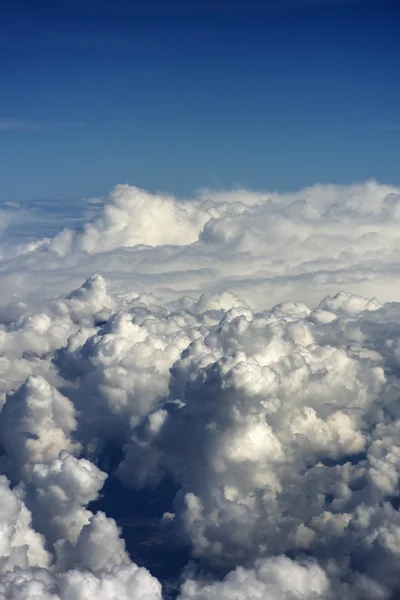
{"x":36,"y":424}
{"x":239,"y":344}
{"x":262,"y":402}
{"x":264,"y":247}
{"x":20,"y":545}
{"x":275,"y":579}
{"x":125,"y":583}
{"x":58,"y":494}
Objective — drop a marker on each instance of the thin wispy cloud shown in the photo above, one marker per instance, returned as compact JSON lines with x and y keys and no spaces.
{"x":28,"y":125}
{"x":388,"y":127}
{"x":209,"y":5}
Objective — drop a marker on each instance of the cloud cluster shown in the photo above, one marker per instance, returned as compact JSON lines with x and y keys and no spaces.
{"x":227,"y":358}
{"x":274,"y":579}
{"x":281,"y":429}
{"x":264,"y":247}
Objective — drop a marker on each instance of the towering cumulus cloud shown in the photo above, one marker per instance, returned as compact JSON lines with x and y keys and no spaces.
{"x":215,"y":415}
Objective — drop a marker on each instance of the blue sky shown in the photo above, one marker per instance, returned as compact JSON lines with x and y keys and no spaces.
{"x":176,"y":95}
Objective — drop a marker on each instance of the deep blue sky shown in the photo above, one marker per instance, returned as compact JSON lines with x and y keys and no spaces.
{"x":177,"y":95}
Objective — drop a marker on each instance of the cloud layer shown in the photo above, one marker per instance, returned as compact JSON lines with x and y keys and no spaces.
{"x":264,"y":247}
{"x":241,"y":348}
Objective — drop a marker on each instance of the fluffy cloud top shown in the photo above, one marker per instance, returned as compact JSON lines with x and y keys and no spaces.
{"x":275,"y":579}
{"x":134,"y":217}
{"x":264,"y":247}
{"x":239,"y":345}
{"x":36,"y":424}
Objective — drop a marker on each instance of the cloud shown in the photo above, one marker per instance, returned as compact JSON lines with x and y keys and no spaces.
{"x":126,"y":583}
{"x":256,"y":245}
{"x":21,"y":547}
{"x":134,"y":217}
{"x":233,"y":369}
{"x":29,"y":125}
{"x":274,"y":579}
{"x":251,"y":405}
{"x":57,"y":498}
{"x":36,"y":424}
{"x":394,"y":127}
{"x":182,"y":6}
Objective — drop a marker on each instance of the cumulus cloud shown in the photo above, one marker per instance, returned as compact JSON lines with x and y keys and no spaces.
{"x":59,"y":492}
{"x":265,"y":247}
{"x":36,"y":424}
{"x":241,"y":347}
{"x":126,"y":583}
{"x":20,"y":546}
{"x":275,"y":579}
{"x":254,"y":403}
{"x":134,"y":217}
{"x":270,"y":422}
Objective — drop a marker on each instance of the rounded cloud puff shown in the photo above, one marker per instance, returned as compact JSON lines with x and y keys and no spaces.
{"x":274,"y":579}
{"x":36,"y":423}
{"x":20,"y":545}
{"x":134,"y":217}
{"x":125,"y":583}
